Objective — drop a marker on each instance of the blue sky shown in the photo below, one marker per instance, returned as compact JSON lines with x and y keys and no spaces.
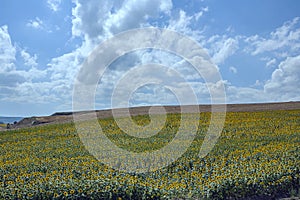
{"x":255,"y":44}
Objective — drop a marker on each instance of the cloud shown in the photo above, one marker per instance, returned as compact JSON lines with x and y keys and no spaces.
{"x":12,"y":79}
{"x":134,"y":13}
{"x":236,"y":94}
{"x":271,"y":62}
{"x":183,"y":22}
{"x":65,"y":67}
{"x":89,"y":17}
{"x":7,"y":51}
{"x":284,"y":84}
{"x":9,"y":80}
{"x":233,"y":70}
{"x":54,"y":4}
{"x":200,"y":14}
{"x":286,"y":36}
{"x":30,"y":61}
{"x":39,"y":92}
{"x":152,"y":94}
{"x":157,"y":76}
{"x":222,"y":47}
{"x":37,"y":23}
{"x":257,"y":83}
{"x":280,"y":46}
{"x":34,"y":74}
{"x":95,"y":19}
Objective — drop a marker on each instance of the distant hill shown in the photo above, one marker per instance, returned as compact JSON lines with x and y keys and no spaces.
{"x":64,"y":117}
{"x":5,"y":120}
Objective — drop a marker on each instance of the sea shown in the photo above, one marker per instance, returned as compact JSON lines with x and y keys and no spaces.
{"x":10,"y":120}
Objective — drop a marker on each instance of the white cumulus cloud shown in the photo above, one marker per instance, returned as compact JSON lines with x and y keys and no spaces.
{"x":284,"y":84}
{"x":54,"y":4}
{"x":233,"y":70}
{"x":94,"y":18}
{"x":286,"y":36}
{"x":7,"y":51}
{"x":30,"y":61}
{"x":37,"y":23}
{"x":271,"y":62}
{"x":222,"y":47}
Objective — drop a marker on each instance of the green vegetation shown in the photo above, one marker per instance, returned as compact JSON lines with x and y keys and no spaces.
{"x":257,"y":155}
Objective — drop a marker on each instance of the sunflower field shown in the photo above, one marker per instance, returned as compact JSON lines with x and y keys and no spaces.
{"x":256,"y":156}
